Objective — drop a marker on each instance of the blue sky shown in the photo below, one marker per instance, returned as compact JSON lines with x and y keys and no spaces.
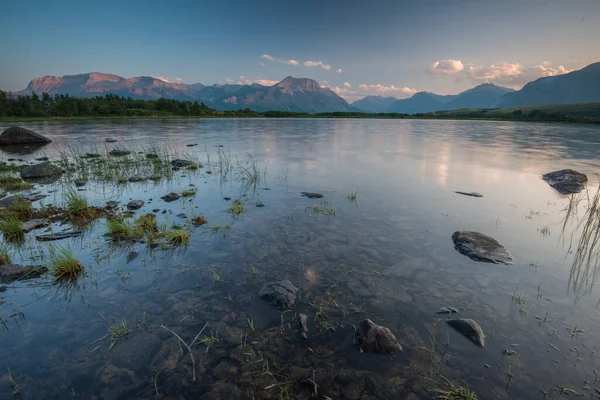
{"x":392,"y":48}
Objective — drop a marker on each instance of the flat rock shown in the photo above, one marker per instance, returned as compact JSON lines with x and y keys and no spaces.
{"x":41,"y":159}
{"x":171,"y":197}
{"x":312,"y":195}
{"x":110,"y":140}
{"x":137,"y":179}
{"x":32,"y":224}
{"x":566,"y":181}
{"x":42,"y":170}
{"x":469,"y":329}
{"x":480,"y":247}
{"x":92,"y":155}
{"x":135,"y":204}
{"x":119,"y":153}
{"x":59,"y":235}
{"x":10,"y":200}
{"x":181,"y":215}
{"x":373,"y":338}
{"x":281,"y":293}
{"x":112,"y":204}
{"x":181,"y":163}
{"x":447,"y":310}
{"x":80,"y":183}
{"x":14,"y":272}
{"x":472,"y":194}
{"x":18,"y":135}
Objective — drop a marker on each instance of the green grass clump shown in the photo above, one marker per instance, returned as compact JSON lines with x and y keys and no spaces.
{"x":122,"y":180}
{"x":4,"y":257}
{"x":353,"y":195}
{"x":236,"y":208}
{"x":65,"y":267}
{"x":20,"y":210}
{"x":78,"y":211}
{"x":155,"y":178}
{"x":120,"y":230}
{"x":145,"y":225}
{"x":198,"y":220}
{"x":177,"y":237}
{"x":12,"y":183}
{"x":188,"y":193}
{"x":323,"y":211}
{"x":12,"y":230}
{"x":194,"y":167}
{"x":454,"y":391}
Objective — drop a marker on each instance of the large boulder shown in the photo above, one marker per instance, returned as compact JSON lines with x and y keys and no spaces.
{"x":43,"y":170}
{"x":18,"y":135}
{"x":281,"y":293}
{"x":480,"y":247}
{"x":13,"y":272}
{"x":373,"y":338}
{"x":469,"y":329}
{"x":566,"y":181}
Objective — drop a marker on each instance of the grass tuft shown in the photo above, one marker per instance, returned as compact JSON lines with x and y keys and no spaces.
{"x":177,"y":237}
{"x":454,"y":391}
{"x":188,"y":193}
{"x":13,"y":184}
{"x":65,"y":267}
{"x":12,"y":230}
{"x":198,"y":220}
{"x":78,"y":211}
{"x":236,"y":208}
{"x":4,"y":257}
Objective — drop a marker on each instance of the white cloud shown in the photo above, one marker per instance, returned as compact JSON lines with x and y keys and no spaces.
{"x":446,"y":67}
{"x":347,"y":94}
{"x":243,"y":80}
{"x":379,"y":89}
{"x":324,"y":83}
{"x":339,"y":70}
{"x":317,"y":64}
{"x":271,"y":58}
{"x":168,"y":80}
{"x":347,"y":84}
{"x":513,"y":75}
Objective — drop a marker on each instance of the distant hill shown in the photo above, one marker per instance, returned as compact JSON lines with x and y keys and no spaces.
{"x":374,"y":104}
{"x":291,"y":94}
{"x":580,"y":86}
{"x":482,"y":96}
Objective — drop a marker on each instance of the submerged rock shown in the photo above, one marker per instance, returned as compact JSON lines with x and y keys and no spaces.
{"x":137,"y":179}
{"x":171,"y":197}
{"x":41,"y":171}
{"x":566,"y":180}
{"x":373,"y":338}
{"x":131,"y":256}
{"x":281,"y":293}
{"x":472,"y":194}
{"x":181,"y":163}
{"x":8,"y":201}
{"x":59,"y":235}
{"x":312,"y":195}
{"x":469,"y":329}
{"x":480,"y":247}
{"x":80,"y":183}
{"x":181,"y":215}
{"x":112,"y":204}
{"x":14,"y":272}
{"x":119,"y":153}
{"x":135,"y":204}
{"x":41,"y":158}
{"x":110,"y":140}
{"x":92,"y":155}
{"x":18,"y":135}
{"x":35,"y":224}
{"x":447,"y":310}
{"x":303,"y":324}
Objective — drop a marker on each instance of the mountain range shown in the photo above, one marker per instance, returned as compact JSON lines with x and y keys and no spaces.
{"x":306,"y":95}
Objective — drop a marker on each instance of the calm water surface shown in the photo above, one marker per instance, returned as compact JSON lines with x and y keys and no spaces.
{"x":387,"y":256}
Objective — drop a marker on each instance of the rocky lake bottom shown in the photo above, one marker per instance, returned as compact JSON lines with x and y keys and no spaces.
{"x":250,"y":259}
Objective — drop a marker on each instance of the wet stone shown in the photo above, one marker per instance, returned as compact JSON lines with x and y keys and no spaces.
{"x":566,"y":181}
{"x":373,"y":338}
{"x":156,"y":210}
{"x":281,"y":293}
{"x":181,"y":163}
{"x":312,"y":195}
{"x":226,"y":198}
{"x":92,"y":155}
{"x":137,"y":179}
{"x":469,"y":329}
{"x":14,"y":272}
{"x":80,"y":183}
{"x":59,"y":236}
{"x":41,"y":159}
{"x":119,"y":153}
{"x":41,"y":171}
{"x":135,"y":204}
{"x":181,"y":215}
{"x":18,"y":135}
{"x":32,"y":224}
{"x":447,"y":310}
{"x":170,"y":197}
{"x":112,"y":204}
{"x":131,"y":256}
{"x":480,"y":247}
{"x":472,"y":194}
{"x":110,"y":140}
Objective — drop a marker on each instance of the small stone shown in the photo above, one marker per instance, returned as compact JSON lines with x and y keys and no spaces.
{"x":131,"y":256}
{"x":181,"y":215}
{"x":373,"y":338}
{"x":110,"y":140}
{"x":260,"y":204}
{"x":266,"y":188}
{"x":156,"y":210}
{"x":80,"y":183}
{"x":41,"y":159}
{"x":227,"y":198}
{"x":447,"y":310}
{"x":181,"y":163}
{"x":170,"y":197}
{"x":41,"y":171}
{"x":135,"y":204}
{"x":469,"y":329}
{"x":92,"y":155}
{"x":137,"y":179}
{"x":164,"y":211}
{"x":566,"y":181}
{"x":509,"y":352}
{"x":472,"y":194}
{"x":112,"y":204}
{"x":119,"y":153}
{"x":32,"y":224}
{"x":281,"y":293}
{"x":480,"y":247}
{"x":312,"y":195}
{"x":303,"y":322}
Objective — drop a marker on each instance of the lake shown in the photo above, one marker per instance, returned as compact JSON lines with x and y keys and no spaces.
{"x":378,"y":245}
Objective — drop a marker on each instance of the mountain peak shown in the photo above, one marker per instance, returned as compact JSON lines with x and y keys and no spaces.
{"x":304,"y":84}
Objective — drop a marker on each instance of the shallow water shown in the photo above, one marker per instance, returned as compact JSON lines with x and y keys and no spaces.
{"x":387,"y":256}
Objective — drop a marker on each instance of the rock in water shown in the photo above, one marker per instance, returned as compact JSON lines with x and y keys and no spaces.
{"x":171,"y":197}
{"x":373,"y":338}
{"x":181,"y":163}
{"x":566,"y":181}
{"x":469,"y":329}
{"x":472,"y":194}
{"x":18,"y":135}
{"x":312,"y":195}
{"x":41,"y":171}
{"x":131,"y":256}
{"x":13,"y":272}
{"x":303,"y":324}
{"x":35,"y":224}
{"x":135,"y":204}
{"x":480,"y":247}
{"x":281,"y":293}
{"x":447,"y":310}
{"x":59,"y":236}
{"x":137,"y":179}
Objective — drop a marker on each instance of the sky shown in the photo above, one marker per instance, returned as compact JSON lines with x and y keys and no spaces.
{"x":357,"y":48}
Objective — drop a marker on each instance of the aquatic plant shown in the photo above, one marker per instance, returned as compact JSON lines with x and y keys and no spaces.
{"x":4,"y":256}
{"x":116,"y":332}
{"x":13,"y":184}
{"x":145,"y":225}
{"x":65,"y":267}
{"x":12,"y":230}
{"x":217,"y":278}
{"x":177,"y":237}
{"x":188,"y":346}
{"x":119,"y":229}
{"x":353,"y":195}
{"x":236,"y":208}
{"x":198,"y":220}
{"x":77,"y":209}
{"x":455,"y":391}
{"x":189,"y":193}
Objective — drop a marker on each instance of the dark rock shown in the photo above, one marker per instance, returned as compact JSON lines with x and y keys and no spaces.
{"x":11,"y":159}
{"x":227,"y":198}
{"x":312,"y":195}
{"x":472,"y":194}
{"x":373,"y":338}
{"x":135,"y":204}
{"x":18,"y":135}
{"x":35,"y":224}
{"x":58,"y":236}
{"x":181,"y":163}
{"x":112,"y":204}
{"x":41,"y":159}
{"x":281,"y":293}
{"x":2,"y":289}
{"x":13,"y":272}
{"x":9,"y":201}
{"x":171,"y":197}
{"x":151,"y":156}
{"x":164,"y":211}
{"x":566,"y":180}
{"x":219,"y":145}
{"x":41,"y":171}
{"x":209,"y":172}
{"x":129,"y":213}
{"x":80,"y":183}
{"x":480,"y":247}
{"x":190,"y":145}
{"x":131,"y":256}
{"x":33,"y":197}
{"x":260,"y":204}
{"x":119,"y":153}
{"x":447,"y":310}
{"x":137,"y":179}
{"x":156,"y":210}
{"x":469,"y":329}
{"x":110,"y":140}
{"x":92,"y":155}
{"x":266,"y":188}
{"x":181,"y":215}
